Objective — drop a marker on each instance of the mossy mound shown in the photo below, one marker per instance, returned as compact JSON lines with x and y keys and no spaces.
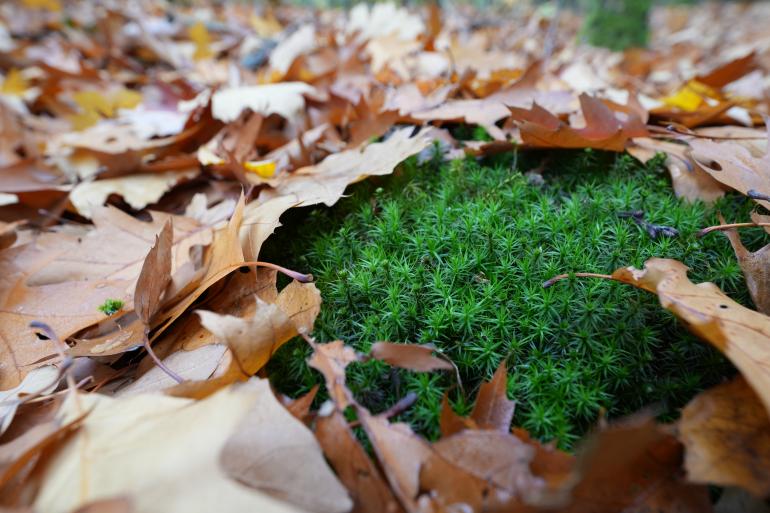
{"x":456,"y":255}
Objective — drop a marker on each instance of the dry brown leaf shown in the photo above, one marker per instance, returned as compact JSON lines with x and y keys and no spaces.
{"x":154,"y":276}
{"x":726,"y":434}
{"x":162,"y":453}
{"x":326,"y":182}
{"x":253,"y":340}
{"x":492,"y":456}
{"x":331,"y":360}
{"x":756,"y":269}
{"x":603,"y":129}
{"x":733,"y":164}
{"x":137,"y":190}
{"x":450,"y":422}
{"x":493,"y":409}
{"x":354,"y":467}
{"x":688,"y":179}
{"x":300,"y":407}
{"x":114,"y":505}
{"x":631,"y":466}
{"x":414,"y":357}
{"x":66,"y":306}
{"x":743,"y":335}
{"x":273,"y":452}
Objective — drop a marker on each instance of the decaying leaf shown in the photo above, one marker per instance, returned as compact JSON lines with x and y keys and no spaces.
{"x":733,"y":164}
{"x":726,"y":434}
{"x":603,"y":128}
{"x":155,"y":473}
{"x":756,"y":268}
{"x":355,"y":469}
{"x":409,"y":356}
{"x":743,"y":335}
{"x":264,"y":451}
{"x":252,"y":341}
{"x":493,"y":409}
{"x":325,"y":182}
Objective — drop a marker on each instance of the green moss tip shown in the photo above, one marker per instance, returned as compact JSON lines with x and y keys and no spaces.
{"x":110,"y":306}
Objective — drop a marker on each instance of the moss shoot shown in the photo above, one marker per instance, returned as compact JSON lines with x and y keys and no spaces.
{"x":456,"y":254}
{"x":110,"y":306}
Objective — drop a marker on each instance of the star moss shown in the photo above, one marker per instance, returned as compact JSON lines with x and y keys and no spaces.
{"x":455,"y":254}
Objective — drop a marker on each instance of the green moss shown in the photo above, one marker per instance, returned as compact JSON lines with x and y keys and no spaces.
{"x":616,"y":24}
{"x":456,"y":255}
{"x":110,"y":306}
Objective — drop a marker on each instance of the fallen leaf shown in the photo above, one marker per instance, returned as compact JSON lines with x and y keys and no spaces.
{"x":154,"y":276}
{"x":40,"y":381}
{"x":743,"y":335}
{"x":414,"y":357}
{"x":325,"y":182}
{"x":726,"y":434}
{"x":285,"y":99}
{"x":331,"y":360}
{"x":354,"y":467}
{"x":603,"y":129}
{"x":631,"y":466}
{"x":732,"y":164}
{"x":137,"y":190}
{"x":193,"y":365}
{"x":493,"y":409}
{"x":183,"y":440}
{"x":755,"y":266}
{"x":253,"y":340}
{"x":263,"y":453}
{"x":688,"y":179}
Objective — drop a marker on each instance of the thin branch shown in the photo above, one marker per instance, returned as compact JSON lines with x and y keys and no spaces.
{"x":560,"y":277}
{"x":722,"y":227}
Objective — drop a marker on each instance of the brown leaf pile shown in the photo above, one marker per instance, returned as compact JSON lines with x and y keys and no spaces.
{"x":147,"y":151}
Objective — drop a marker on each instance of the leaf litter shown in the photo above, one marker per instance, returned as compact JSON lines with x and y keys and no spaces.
{"x":147,"y":151}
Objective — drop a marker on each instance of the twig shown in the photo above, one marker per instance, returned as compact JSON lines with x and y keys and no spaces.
{"x":560,"y":277}
{"x":729,"y":226}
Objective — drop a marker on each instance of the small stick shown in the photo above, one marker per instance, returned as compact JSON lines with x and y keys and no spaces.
{"x":722,"y":227}
{"x":560,"y":277}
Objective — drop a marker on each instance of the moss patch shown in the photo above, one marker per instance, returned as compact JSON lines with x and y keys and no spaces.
{"x":456,"y":254}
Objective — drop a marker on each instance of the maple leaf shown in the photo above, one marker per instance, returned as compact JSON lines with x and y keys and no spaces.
{"x":187,"y":441}
{"x":725,"y":434}
{"x":603,"y":129}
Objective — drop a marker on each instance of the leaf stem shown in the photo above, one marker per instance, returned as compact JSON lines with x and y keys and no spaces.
{"x":560,"y":277}
{"x":728,"y":226}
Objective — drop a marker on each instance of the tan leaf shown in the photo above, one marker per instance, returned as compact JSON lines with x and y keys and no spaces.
{"x":743,"y":335}
{"x":733,"y":164}
{"x":326,"y":182}
{"x":154,"y":276}
{"x":689,"y":180}
{"x":630,"y":466}
{"x":331,"y":360}
{"x":493,"y":456}
{"x":354,"y":467}
{"x":161,"y":453}
{"x":40,"y":381}
{"x":253,"y":340}
{"x":493,"y":409}
{"x":409,"y":356}
{"x":726,"y":434}
{"x":137,"y":190}
{"x":755,"y":266}
{"x":194,"y":365}
{"x":264,"y":451}
{"x":603,"y":129}
{"x":285,"y":99}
